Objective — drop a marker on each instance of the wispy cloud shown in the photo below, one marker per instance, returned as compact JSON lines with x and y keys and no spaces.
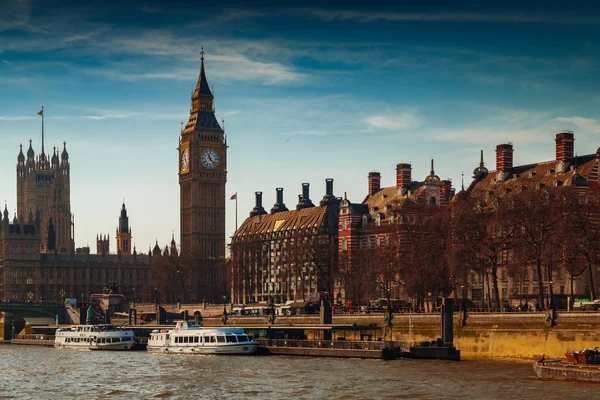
{"x":490,"y":135}
{"x":14,"y":117}
{"x":401,"y":121}
{"x":374,"y":16}
{"x":587,"y":124}
{"x":98,"y":114}
{"x":14,"y":81}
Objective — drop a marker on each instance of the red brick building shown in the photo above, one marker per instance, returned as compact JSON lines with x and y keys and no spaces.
{"x":579,"y":173}
{"x":262,"y":247}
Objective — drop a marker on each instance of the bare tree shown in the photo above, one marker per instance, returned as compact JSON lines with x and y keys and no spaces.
{"x":424,"y":242}
{"x":537,"y":215}
{"x":359,"y":278}
{"x":582,"y":227}
{"x":484,"y":231}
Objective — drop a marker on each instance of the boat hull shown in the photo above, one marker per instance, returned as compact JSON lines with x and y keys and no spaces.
{"x":94,"y":337}
{"x":104,"y":346}
{"x":237,"y":349}
{"x":564,"y":371}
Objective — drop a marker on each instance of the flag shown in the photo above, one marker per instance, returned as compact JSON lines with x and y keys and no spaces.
{"x":234,"y":197}
{"x":41,"y":112}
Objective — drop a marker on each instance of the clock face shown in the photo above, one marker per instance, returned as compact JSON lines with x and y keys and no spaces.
{"x":185,"y":160}
{"x":210,"y":158}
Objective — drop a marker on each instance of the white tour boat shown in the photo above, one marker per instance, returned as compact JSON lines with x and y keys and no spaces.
{"x":94,"y":337}
{"x":192,"y":339}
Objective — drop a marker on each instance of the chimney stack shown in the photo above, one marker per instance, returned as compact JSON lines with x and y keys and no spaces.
{"x":279,"y":206}
{"x":329,"y":198}
{"x":565,"y":149}
{"x":446,"y":192}
{"x":374,"y":182}
{"x":304,"y":201}
{"x":403,"y":175}
{"x":258,"y":208}
{"x":504,"y":157}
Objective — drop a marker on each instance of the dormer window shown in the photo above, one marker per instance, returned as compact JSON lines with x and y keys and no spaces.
{"x":532,"y":173}
{"x":365,"y":221}
{"x":559,"y":183}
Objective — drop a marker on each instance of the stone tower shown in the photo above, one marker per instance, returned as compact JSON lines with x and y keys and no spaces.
{"x":202,"y":178}
{"x":124,"y":233}
{"x":102,"y":244}
{"x":44,"y":186}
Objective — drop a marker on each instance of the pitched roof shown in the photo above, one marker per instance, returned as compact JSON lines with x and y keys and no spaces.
{"x":536,"y":175}
{"x":287,"y":221}
{"x":381,"y":200}
{"x":202,"y":88}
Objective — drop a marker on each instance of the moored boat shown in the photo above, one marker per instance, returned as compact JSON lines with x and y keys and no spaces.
{"x":581,"y":366}
{"x":188,"y":338}
{"x":94,"y":337}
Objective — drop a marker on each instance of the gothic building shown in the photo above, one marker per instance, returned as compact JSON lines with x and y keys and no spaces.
{"x":202,"y":179}
{"x":43,"y":185}
{"x":28,"y":272}
{"x":124,"y":233}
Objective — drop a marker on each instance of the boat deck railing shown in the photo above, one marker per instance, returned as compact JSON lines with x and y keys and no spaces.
{"x":35,"y":337}
{"x":332,"y":344}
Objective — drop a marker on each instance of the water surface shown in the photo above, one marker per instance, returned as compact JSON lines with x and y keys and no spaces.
{"x":29,"y":372}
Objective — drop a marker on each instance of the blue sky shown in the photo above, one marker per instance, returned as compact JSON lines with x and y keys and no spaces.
{"x":307,"y":93}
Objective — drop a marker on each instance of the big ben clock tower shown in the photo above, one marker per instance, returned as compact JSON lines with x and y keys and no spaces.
{"x":202,"y":178}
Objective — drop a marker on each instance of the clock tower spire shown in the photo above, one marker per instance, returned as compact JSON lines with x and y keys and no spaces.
{"x":202,"y":179}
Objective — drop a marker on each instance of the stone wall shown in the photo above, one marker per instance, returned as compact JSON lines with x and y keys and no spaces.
{"x":496,"y":335}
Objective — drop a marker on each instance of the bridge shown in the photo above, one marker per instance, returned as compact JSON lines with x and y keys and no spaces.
{"x":33,"y":312}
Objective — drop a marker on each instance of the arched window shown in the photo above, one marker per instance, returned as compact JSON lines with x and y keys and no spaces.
{"x":432,"y":201}
{"x":344,"y":244}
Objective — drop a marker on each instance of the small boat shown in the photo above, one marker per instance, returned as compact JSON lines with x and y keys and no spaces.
{"x":188,"y":338}
{"x":581,"y":366}
{"x":94,"y":337}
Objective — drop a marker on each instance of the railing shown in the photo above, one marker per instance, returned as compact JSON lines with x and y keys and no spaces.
{"x":331,"y":344}
{"x":29,"y":304}
{"x":35,"y":337}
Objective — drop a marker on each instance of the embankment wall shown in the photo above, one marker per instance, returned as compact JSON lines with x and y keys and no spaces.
{"x":495,"y":335}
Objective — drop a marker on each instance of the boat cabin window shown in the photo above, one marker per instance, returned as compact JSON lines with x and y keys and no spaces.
{"x":242,"y":338}
{"x":186,"y":339}
{"x":230,"y":338}
{"x":197,"y":339}
{"x":220,"y":339}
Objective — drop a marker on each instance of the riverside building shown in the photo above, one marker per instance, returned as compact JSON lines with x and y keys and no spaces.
{"x":297,"y":254}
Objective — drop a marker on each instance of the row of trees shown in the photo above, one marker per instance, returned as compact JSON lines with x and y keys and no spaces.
{"x":436,"y":249}
{"x":298,"y":266}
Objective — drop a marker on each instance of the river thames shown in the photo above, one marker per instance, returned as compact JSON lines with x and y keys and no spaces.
{"x":46,"y":373}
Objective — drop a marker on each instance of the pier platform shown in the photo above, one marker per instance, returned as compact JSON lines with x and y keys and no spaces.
{"x":330,"y":348}
{"x":36,"y":340}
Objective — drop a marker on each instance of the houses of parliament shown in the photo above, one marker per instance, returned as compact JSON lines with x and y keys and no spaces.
{"x":38,"y":256}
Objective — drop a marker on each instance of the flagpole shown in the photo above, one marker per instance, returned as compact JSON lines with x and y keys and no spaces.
{"x":236,"y":215}
{"x":42,"y":129}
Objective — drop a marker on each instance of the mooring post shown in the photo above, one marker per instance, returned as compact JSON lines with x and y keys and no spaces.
{"x":448,"y":322}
